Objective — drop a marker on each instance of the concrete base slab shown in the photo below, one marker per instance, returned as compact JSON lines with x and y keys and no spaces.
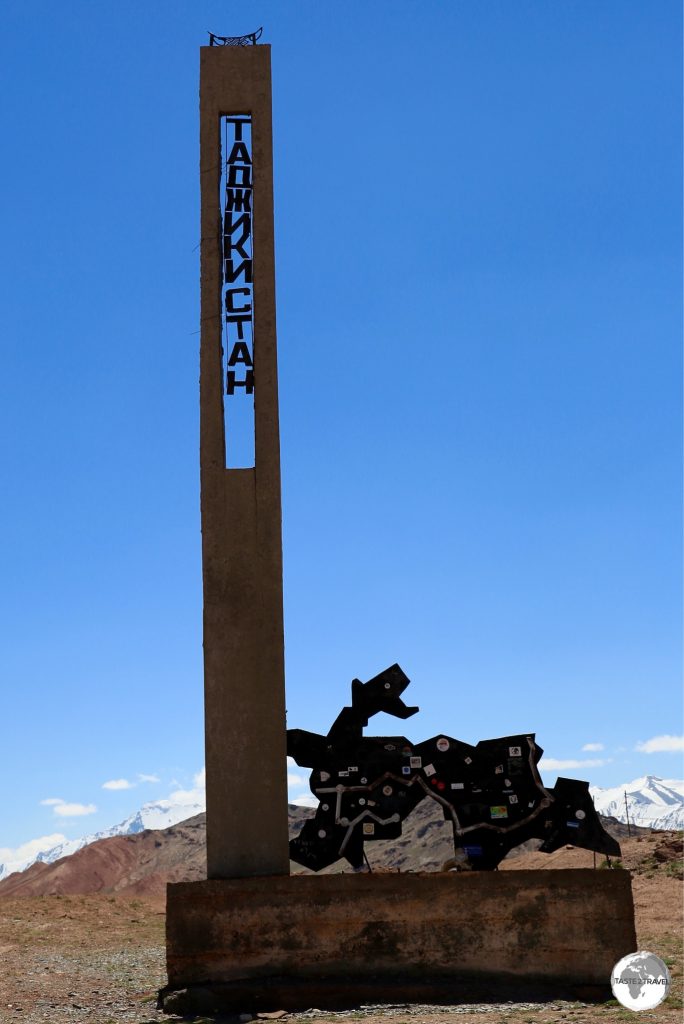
{"x":292,"y":942}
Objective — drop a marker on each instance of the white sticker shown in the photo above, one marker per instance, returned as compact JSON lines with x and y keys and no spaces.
{"x":468,"y":760}
{"x":498,"y":770}
{"x":354,"y":769}
{"x":580,"y":814}
{"x":531,"y":803}
{"x":507,"y":783}
{"x":514,"y":752}
{"x":443,"y":743}
{"x":405,"y":770}
{"x":513,"y":799}
{"x":325,"y":776}
{"x":429,"y":770}
{"x":325,"y":807}
{"x":387,"y":790}
{"x":362,"y":801}
{"x":343,"y":775}
{"x":390,"y":746}
{"x":416,"y":762}
{"x":457,"y":785}
{"x":322,"y":833}
{"x":364,"y":781}
{"x":368,"y":828}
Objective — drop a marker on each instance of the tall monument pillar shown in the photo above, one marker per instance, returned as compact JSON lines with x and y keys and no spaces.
{"x":241,"y":507}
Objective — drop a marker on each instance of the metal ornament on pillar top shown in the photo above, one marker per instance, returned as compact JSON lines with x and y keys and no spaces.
{"x":250,"y":39}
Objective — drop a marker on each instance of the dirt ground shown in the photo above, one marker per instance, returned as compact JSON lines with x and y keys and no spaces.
{"x":100,"y":959}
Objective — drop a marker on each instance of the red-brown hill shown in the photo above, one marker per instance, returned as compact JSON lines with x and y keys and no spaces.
{"x":142,"y":864}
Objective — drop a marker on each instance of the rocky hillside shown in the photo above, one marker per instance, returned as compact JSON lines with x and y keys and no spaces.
{"x":143,"y":863}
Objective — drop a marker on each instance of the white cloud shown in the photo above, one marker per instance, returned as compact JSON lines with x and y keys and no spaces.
{"x":118,"y":784}
{"x":305,"y":800}
{"x":589,"y":747}
{"x":661,"y":745}
{"x":190,"y":796}
{"x":65,"y":810}
{"x":549,"y":764}
{"x":125,"y":784}
{"x":31,"y":849}
{"x":74,"y":810}
{"x":295,"y":781}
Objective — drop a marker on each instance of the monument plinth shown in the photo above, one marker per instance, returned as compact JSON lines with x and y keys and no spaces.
{"x":340,"y":940}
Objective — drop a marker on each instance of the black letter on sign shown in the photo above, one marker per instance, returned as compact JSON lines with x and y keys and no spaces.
{"x":229,"y":226}
{"x":240,"y":354}
{"x":238,"y":122}
{"x":247,"y":383}
{"x":230,"y":308}
{"x":239,"y":154}
{"x":240,"y":176}
{"x":240,"y":320}
{"x":232,"y":273}
{"x":238,"y":199}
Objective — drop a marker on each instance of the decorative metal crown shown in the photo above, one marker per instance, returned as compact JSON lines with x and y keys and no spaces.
{"x":235,"y":40}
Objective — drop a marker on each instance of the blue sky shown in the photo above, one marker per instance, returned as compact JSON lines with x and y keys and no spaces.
{"x":478,"y":245}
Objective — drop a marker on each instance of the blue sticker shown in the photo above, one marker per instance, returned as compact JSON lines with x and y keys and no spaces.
{"x":572,"y":824}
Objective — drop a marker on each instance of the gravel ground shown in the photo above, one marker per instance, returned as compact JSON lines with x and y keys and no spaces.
{"x":100,"y":960}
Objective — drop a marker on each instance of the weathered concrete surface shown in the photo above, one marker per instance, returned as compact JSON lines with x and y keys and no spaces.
{"x":244,"y":688}
{"x":338,"y":939}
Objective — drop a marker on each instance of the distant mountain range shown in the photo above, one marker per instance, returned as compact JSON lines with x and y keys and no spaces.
{"x":651,"y":803}
{"x":142,"y":864}
{"x":151,"y":816}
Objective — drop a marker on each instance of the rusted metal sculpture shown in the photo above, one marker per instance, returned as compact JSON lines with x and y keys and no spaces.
{"x":492,"y":793}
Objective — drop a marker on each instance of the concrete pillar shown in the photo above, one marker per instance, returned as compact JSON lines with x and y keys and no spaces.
{"x":241,"y":509}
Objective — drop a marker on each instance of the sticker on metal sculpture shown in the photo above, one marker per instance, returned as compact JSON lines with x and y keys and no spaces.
{"x":492,"y":793}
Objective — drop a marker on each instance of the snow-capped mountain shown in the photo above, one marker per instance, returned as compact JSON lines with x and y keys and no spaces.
{"x":161,"y":814}
{"x":651,"y":802}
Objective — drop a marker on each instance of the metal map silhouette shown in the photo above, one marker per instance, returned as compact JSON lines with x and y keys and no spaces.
{"x":492,"y":793}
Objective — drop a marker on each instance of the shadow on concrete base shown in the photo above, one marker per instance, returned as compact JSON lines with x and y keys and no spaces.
{"x":338,"y":941}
